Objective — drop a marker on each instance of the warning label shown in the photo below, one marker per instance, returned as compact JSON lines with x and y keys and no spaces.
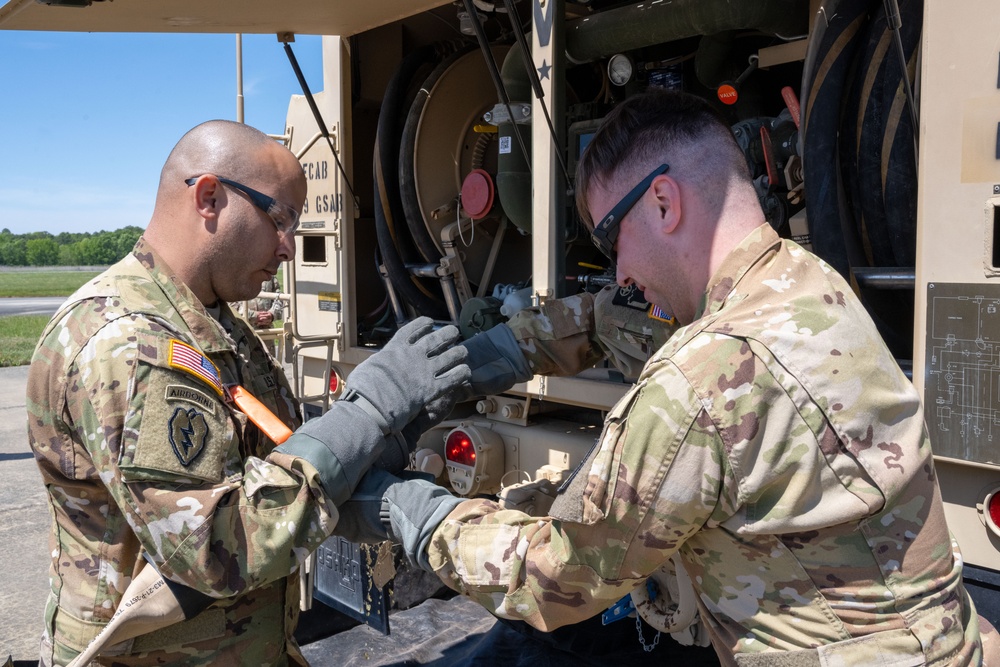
{"x":329,"y":301}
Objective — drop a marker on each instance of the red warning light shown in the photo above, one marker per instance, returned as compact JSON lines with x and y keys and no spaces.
{"x":991,"y":511}
{"x":993,"y":508}
{"x":334,"y":382}
{"x":459,"y":449}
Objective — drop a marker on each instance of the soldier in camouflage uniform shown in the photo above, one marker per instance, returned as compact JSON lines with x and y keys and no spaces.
{"x":773,"y":443}
{"x":150,"y":457}
{"x":265,"y":311}
{"x":566,"y":336}
{"x":262,"y":312}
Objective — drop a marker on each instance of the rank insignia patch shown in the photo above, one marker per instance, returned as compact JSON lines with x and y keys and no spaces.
{"x":187,"y":433}
{"x":185,"y":358}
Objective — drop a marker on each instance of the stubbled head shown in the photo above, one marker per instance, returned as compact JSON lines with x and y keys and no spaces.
{"x":213,"y":234}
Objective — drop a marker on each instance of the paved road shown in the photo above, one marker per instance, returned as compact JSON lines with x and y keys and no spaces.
{"x":43,"y":305}
{"x":24,"y":526}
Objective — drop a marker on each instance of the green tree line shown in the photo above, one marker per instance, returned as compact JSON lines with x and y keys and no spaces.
{"x":66,"y":248}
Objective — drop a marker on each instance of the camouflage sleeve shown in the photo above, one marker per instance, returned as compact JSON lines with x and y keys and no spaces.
{"x":655,"y":480}
{"x":559,"y":337}
{"x":569,"y":335}
{"x":166,"y":448}
{"x":628,"y":329}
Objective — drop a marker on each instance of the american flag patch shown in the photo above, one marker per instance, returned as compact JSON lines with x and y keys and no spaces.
{"x":657,"y":314}
{"x":186,"y":358}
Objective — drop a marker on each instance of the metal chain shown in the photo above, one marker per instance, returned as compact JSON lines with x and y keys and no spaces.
{"x":642,"y":640}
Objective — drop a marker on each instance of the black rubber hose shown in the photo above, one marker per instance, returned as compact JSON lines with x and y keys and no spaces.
{"x":877,"y":138}
{"x":833,"y":238}
{"x":879,"y":167}
{"x":407,"y":178}
{"x":388,"y":209}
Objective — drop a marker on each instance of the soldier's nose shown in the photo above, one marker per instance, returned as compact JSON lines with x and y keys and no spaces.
{"x":621,"y":278}
{"x":286,"y":248}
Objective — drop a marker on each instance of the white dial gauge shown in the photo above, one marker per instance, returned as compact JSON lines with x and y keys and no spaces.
{"x":620,"y":69}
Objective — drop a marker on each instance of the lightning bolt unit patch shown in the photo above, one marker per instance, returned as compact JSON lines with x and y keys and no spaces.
{"x":187,"y":431}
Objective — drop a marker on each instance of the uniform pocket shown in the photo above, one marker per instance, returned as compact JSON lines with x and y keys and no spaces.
{"x":586,"y":497}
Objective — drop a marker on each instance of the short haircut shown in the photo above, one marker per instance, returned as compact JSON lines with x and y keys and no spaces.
{"x":659,"y":126}
{"x":222,"y":147}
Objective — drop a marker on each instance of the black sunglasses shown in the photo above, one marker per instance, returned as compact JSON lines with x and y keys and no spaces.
{"x":605,"y":233}
{"x":284,"y":217}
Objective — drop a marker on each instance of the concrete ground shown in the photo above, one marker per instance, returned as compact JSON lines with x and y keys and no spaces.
{"x":24,"y":527}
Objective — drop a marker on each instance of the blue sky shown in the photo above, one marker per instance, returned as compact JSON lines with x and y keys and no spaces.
{"x":89,"y":118}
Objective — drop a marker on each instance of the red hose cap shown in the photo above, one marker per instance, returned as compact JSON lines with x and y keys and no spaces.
{"x":477,"y":194}
{"x":727,"y":94}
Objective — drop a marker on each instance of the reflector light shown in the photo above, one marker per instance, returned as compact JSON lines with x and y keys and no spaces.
{"x":334,"y":382}
{"x":459,"y":449}
{"x":993,"y":509}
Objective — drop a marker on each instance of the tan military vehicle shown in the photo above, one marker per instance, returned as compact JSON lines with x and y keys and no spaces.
{"x":440,"y":149}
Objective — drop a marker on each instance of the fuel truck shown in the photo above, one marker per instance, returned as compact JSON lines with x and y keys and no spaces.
{"x":440,"y":151}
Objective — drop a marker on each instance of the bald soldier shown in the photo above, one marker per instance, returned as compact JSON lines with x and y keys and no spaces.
{"x":154,"y":414}
{"x":772,"y":444}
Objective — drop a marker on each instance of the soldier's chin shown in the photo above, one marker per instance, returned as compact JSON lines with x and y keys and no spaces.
{"x":245,"y":293}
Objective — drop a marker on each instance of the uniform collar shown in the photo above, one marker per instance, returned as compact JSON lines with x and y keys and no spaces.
{"x":206,"y":329}
{"x":735,"y":266}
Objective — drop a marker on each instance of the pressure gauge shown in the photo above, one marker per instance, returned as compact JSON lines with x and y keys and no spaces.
{"x":620,"y":69}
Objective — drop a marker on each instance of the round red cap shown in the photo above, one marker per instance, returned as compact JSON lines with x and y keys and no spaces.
{"x":727,"y":94}
{"x":477,"y":194}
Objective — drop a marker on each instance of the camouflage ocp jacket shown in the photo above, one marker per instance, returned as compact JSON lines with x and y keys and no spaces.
{"x":566,"y":336}
{"x":144,"y":458}
{"x":776,"y":446}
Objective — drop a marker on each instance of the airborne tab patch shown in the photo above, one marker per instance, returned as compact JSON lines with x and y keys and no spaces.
{"x":185,"y":358}
{"x":187,"y":431}
{"x":179,"y":392}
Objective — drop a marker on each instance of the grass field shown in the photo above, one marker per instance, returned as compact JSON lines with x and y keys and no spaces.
{"x":43,"y":283}
{"x":18,"y":335}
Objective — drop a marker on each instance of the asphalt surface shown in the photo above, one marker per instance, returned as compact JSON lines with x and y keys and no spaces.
{"x":43,"y":305}
{"x":24,"y":526}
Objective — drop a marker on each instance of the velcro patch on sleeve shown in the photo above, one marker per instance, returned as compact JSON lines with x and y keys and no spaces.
{"x":177,"y":428}
{"x":186,"y":358}
{"x":658,"y":313}
{"x":630,"y":297}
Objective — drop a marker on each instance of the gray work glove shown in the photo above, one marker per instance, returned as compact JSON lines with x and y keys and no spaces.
{"x":416,"y":367}
{"x":496,"y":361}
{"x":385,"y":392}
{"x":397,"y":452}
{"x":406,"y":511}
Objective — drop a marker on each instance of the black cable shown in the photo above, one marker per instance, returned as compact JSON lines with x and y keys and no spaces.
{"x":491,"y":65}
{"x":536,"y":84}
{"x":319,"y":119}
{"x":894,"y":22}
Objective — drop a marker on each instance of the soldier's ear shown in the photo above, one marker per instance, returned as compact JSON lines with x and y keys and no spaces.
{"x":668,"y":202}
{"x":205,"y":194}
